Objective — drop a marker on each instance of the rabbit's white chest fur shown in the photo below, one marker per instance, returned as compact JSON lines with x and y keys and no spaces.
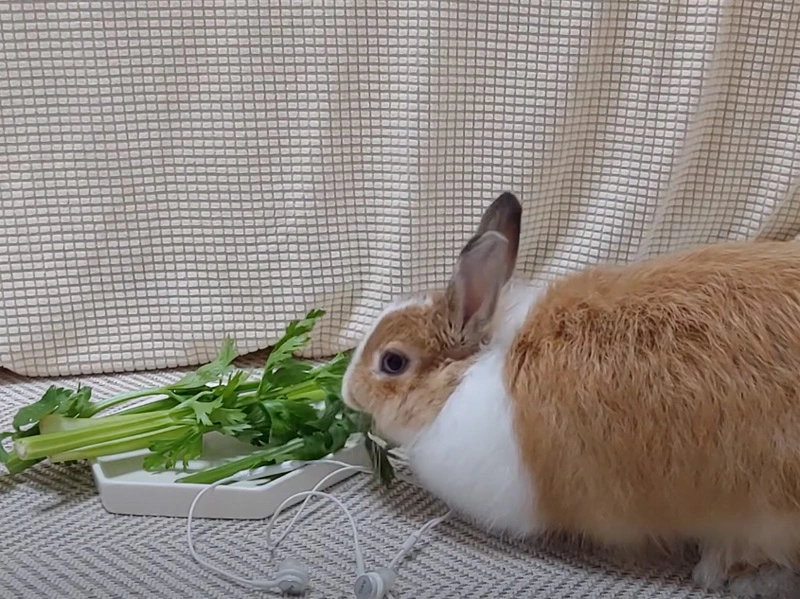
{"x":469,"y":456}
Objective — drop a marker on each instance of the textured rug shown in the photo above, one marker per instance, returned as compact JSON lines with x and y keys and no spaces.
{"x":59,"y":542}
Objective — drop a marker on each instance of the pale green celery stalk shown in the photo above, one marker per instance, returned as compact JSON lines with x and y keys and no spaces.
{"x":113,"y":401}
{"x":102,"y":430}
{"x":131,"y":443}
{"x":55,"y":423}
{"x":254,"y":460}
{"x":309,"y":390}
{"x":170,"y":400}
{"x":151,"y":406}
{"x":73,"y":434}
{"x":14,"y":464}
{"x":246,"y":392}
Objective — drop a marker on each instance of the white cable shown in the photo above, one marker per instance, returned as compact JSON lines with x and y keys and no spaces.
{"x":246,"y":582}
{"x":414,"y":538}
{"x":315,"y":492}
{"x":272,"y":545}
{"x":344,"y":468}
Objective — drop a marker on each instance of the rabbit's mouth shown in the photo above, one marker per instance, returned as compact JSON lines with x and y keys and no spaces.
{"x":392,"y":435}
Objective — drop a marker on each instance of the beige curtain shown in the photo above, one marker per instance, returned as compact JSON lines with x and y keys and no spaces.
{"x":172,"y":172}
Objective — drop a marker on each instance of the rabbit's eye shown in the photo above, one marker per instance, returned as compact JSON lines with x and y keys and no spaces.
{"x":393,"y":363}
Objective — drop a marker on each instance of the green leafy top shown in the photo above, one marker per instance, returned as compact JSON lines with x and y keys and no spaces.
{"x":297,"y":335}
{"x":211,"y":371}
{"x":56,"y":400}
{"x":293,"y":411}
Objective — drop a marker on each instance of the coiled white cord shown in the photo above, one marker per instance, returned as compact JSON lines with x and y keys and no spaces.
{"x":272,"y":544}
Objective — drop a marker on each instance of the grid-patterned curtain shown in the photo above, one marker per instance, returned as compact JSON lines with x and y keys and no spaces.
{"x":172,"y":172}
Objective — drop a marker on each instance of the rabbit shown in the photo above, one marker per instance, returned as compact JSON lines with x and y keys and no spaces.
{"x":653,"y":401}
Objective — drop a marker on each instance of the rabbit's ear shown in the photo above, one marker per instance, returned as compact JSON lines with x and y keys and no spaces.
{"x":476,"y":284}
{"x":503,"y":216}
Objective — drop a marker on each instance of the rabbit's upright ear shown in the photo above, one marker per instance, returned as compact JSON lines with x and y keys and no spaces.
{"x":503,"y":216}
{"x":485,"y":265}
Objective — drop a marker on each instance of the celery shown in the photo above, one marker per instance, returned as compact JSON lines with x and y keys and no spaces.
{"x":293,"y":411}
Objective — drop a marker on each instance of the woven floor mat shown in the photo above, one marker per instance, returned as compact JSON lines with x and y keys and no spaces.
{"x":58,"y":541}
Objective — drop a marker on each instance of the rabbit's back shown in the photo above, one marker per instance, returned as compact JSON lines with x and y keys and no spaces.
{"x":663,"y":398}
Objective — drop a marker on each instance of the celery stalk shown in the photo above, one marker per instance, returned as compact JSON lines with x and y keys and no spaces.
{"x":103,"y":429}
{"x":113,"y":401}
{"x":124,"y":445}
{"x":254,"y":460}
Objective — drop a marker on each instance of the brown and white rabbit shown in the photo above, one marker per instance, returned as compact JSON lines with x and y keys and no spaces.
{"x":654,"y":401}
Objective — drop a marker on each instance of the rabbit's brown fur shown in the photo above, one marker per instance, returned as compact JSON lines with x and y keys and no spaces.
{"x":664,"y":398}
{"x":653,"y":401}
{"x":420,"y":331}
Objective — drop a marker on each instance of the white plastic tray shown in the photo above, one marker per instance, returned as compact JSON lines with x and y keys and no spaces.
{"x":125,"y":488}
